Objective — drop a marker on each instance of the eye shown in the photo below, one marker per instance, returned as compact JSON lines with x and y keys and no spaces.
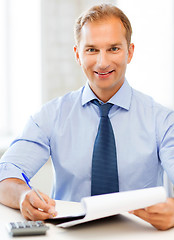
{"x":114,"y":49}
{"x":91,"y":50}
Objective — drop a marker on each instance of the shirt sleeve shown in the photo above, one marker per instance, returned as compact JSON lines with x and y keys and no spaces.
{"x":165,"y":130}
{"x":27,"y":153}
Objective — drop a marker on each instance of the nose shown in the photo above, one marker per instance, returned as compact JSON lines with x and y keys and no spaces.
{"x":102,"y":60}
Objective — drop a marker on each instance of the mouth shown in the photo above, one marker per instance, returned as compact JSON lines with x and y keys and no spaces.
{"x":104,"y":74}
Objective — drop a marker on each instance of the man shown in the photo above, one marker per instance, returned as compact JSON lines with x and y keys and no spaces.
{"x":66,"y":128}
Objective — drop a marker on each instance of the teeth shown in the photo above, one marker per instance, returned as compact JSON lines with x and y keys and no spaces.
{"x":103,"y":73}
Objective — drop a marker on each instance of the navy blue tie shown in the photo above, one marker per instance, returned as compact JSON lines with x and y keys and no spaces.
{"x":104,"y":178}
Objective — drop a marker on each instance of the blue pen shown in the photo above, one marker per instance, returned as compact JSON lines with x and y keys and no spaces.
{"x":27,"y":180}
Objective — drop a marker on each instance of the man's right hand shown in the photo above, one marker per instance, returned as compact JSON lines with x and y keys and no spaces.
{"x":33,"y":208}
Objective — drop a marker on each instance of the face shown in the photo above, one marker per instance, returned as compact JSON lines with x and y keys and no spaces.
{"x":103,"y":55}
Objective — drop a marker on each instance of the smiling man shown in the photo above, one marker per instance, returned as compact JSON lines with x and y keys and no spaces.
{"x":103,"y":53}
{"x":104,"y":137}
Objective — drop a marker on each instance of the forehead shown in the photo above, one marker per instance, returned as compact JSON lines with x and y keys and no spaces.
{"x":103,"y":31}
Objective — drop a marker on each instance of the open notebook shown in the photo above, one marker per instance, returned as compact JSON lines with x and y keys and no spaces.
{"x":95,"y":207}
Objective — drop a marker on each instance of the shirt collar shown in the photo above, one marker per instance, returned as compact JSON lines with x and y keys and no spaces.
{"x":122,"y":98}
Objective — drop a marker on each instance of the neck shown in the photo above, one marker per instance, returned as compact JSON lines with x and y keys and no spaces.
{"x":105,"y":94}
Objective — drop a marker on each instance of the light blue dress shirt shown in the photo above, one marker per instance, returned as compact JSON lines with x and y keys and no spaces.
{"x":65,"y":129}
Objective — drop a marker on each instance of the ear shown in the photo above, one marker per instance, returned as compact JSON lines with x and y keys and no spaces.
{"x":77,"y":54}
{"x":130,"y":52}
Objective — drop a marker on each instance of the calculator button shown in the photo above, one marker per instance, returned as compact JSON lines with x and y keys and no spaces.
{"x":20,"y":225}
{"x":13,"y":225}
{"x":27,"y":225}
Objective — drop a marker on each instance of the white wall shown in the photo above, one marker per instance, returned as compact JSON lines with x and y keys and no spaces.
{"x":20,"y":63}
{"x":152,"y":67}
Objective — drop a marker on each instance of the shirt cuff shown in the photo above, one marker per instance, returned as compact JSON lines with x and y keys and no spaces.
{"x":9,"y":170}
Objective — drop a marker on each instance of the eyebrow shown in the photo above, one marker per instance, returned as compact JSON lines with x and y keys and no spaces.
{"x":89,"y":46}
{"x":116,"y":44}
{"x":94,"y":46}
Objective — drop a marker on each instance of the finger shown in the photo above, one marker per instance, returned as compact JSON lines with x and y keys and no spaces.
{"x":35,"y":214}
{"x":51,"y":203}
{"x":141,"y":213}
{"x":157,"y":208}
{"x":37,"y":203}
{"x":49,"y":207}
{"x":48,"y":200}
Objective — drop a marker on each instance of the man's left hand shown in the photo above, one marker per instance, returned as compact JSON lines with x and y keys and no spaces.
{"x":161,"y":215}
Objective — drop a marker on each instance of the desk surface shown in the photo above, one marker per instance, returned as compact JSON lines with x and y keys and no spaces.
{"x":122,"y":227}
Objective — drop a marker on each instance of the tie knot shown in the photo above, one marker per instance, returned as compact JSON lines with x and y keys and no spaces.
{"x":104,"y":108}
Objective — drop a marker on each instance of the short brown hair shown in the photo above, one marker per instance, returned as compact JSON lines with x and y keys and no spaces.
{"x":99,"y":12}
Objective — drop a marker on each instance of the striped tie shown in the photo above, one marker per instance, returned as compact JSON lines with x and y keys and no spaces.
{"x":104,"y":161}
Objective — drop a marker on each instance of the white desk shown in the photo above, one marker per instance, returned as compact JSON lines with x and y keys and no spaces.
{"x":121,"y":227}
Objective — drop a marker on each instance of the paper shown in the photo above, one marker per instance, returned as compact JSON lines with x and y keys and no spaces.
{"x":101,"y":206}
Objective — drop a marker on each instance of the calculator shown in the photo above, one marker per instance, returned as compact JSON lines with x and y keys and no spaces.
{"x":26,"y":228}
